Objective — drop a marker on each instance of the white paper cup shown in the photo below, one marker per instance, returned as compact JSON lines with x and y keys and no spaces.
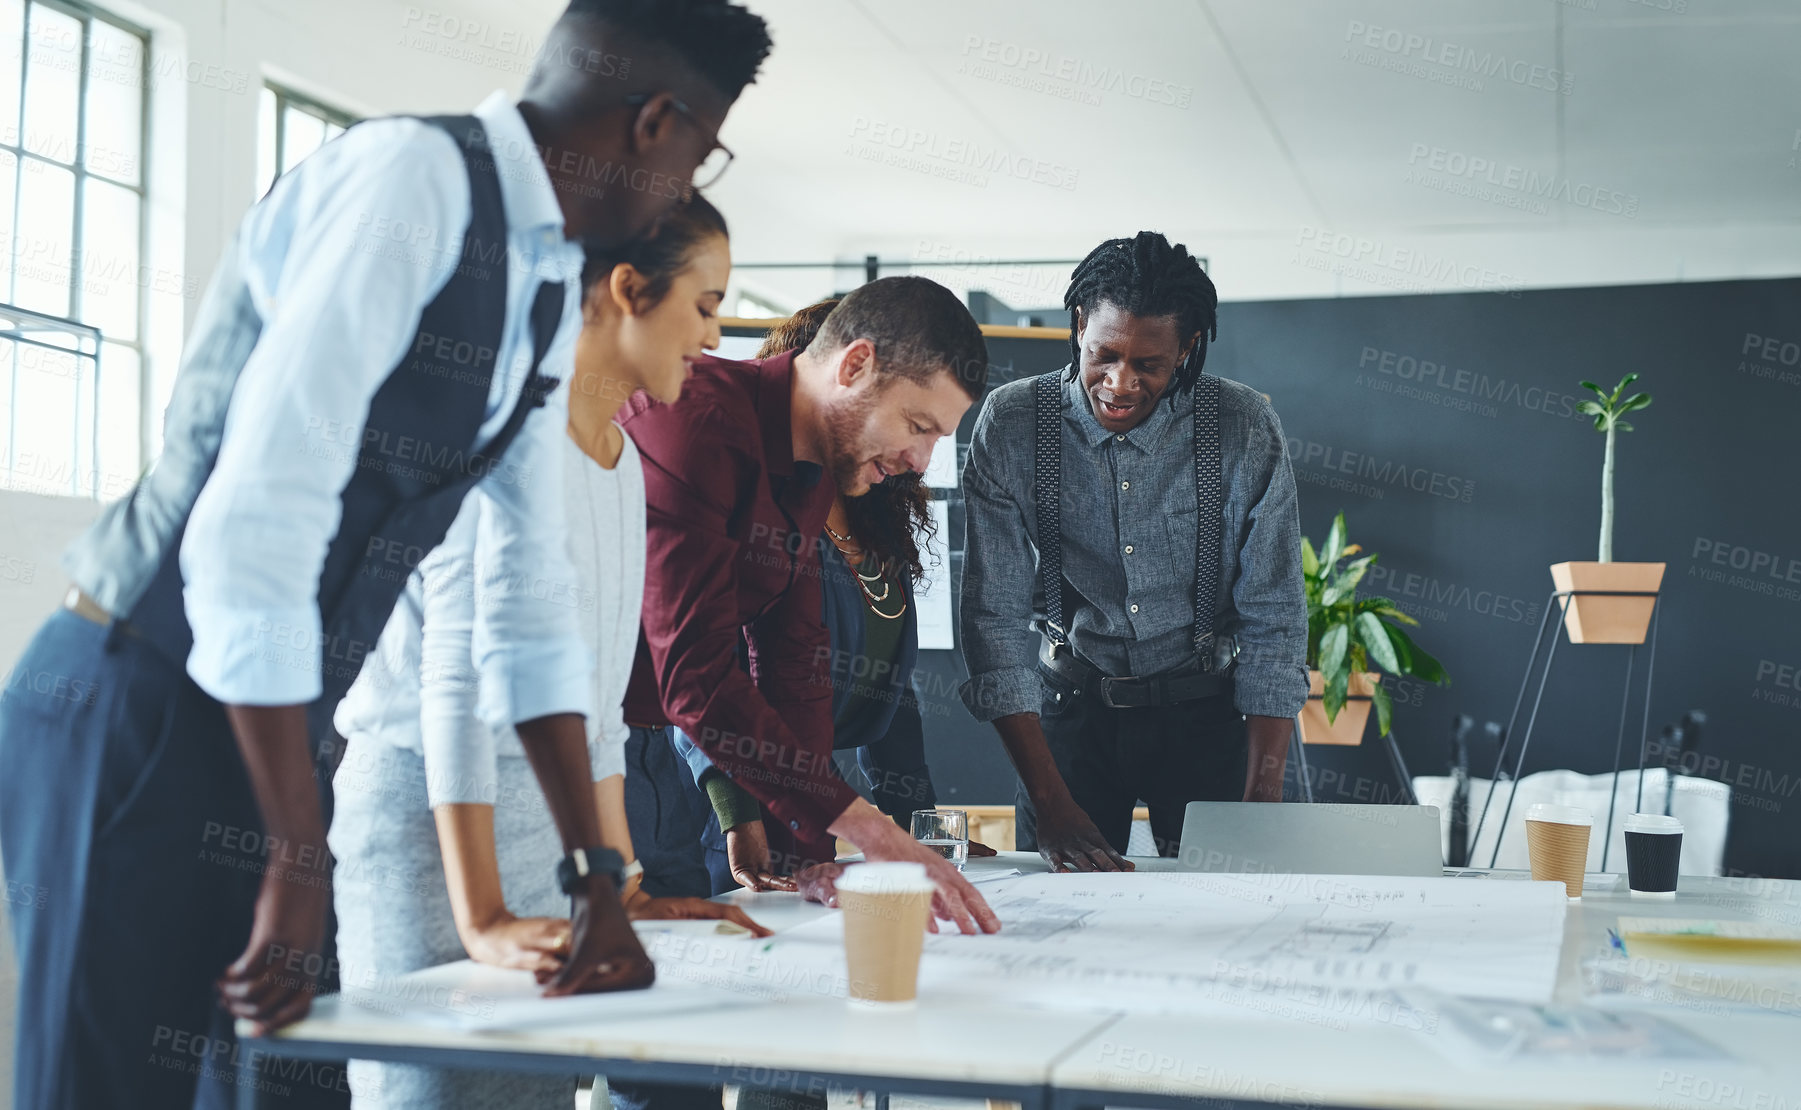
{"x":1557,"y":842}
{"x":886,"y":907}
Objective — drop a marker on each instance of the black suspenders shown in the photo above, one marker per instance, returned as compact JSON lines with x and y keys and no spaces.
{"x":1047,"y":490}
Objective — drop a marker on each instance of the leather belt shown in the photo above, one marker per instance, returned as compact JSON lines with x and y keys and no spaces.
{"x":1131,"y":692}
{"x":78,"y":602}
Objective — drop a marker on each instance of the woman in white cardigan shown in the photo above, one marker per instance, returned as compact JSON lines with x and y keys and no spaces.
{"x":444,"y":847}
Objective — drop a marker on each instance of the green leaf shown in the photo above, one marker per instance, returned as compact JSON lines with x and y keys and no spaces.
{"x":1422,"y":665}
{"x":1345,"y":585}
{"x":1601,"y":423}
{"x":1403,"y":653}
{"x":1636,"y":401}
{"x":1384,"y":711}
{"x":1394,"y":614}
{"x":1309,"y":561}
{"x":1621,"y":426}
{"x":1334,"y":543}
{"x":1590,"y":408}
{"x":1335,"y":694}
{"x":1621,"y":388}
{"x":1332,"y":650}
{"x":1591,"y":385}
{"x":1374,"y":636}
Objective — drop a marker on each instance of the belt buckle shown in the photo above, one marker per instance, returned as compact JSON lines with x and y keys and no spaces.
{"x":1106,"y":691}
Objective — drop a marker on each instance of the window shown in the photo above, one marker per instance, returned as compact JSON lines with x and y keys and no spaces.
{"x":72,"y":149}
{"x":291,"y":127}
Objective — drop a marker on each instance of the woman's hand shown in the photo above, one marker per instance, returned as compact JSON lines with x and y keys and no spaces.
{"x":535,"y":944}
{"x":747,"y":852}
{"x":690,"y":909}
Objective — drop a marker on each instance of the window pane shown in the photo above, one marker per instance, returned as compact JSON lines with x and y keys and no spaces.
{"x":119,"y":455}
{"x":52,"y":83}
{"x":8,"y":351}
{"x":109,"y":259}
{"x":9,"y":180}
{"x":332,"y":131}
{"x":305,"y":133}
{"x":265,"y":141}
{"x":115,"y":107}
{"x":46,"y":237}
{"x":44,"y":428}
{"x":12,"y":61}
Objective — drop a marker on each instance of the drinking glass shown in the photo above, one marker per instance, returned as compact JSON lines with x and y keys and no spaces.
{"x":945,"y":831}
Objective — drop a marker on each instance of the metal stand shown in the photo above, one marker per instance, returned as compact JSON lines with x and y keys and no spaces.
{"x":1538,"y":699}
{"x":1298,"y":748}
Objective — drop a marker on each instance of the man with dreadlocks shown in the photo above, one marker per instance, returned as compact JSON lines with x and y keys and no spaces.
{"x":1133,"y":613}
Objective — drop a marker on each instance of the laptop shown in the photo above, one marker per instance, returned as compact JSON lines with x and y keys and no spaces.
{"x":1311,"y":839}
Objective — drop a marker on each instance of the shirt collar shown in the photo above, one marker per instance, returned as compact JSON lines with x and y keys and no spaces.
{"x":1148,"y":436}
{"x":525,"y":190}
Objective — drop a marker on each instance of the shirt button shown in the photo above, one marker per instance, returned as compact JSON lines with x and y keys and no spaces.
{"x":1134,"y":608}
{"x":1128,"y":549}
{"x":1125,"y":485}
{"x":795,"y":825}
{"x":1121,"y":439}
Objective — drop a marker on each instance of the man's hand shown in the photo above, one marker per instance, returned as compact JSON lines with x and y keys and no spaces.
{"x":535,"y":944}
{"x":747,"y":853}
{"x":1069,"y":841}
{"x":691,"y":909}
{"x":604,"y":953}
{"x":977,"y":850}
{"x":1267,"y":758}
{"x":819,"y":883}
{"x":270,"y":983}
{"x":879,"y":838}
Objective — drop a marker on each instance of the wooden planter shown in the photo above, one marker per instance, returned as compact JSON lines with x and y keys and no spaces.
{"x":1355,"y":714}
{"x":1608,"y":620}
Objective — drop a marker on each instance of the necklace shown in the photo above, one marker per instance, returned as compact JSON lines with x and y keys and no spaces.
{"x":837,"y":535}
{"x":874,"y":600}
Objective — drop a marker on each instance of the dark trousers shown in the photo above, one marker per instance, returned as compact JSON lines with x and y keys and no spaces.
{"x":1165,"y":756}
{"x":126,"y":811}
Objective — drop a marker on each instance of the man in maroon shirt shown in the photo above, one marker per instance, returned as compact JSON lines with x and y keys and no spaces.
{"x":739,"y":475}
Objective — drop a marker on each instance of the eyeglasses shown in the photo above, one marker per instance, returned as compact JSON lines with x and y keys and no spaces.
{"x":718,"y":157}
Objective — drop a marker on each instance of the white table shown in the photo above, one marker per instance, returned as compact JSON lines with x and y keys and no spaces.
{"x":1069,"y":1060}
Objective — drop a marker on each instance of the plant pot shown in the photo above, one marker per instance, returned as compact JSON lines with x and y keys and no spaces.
{"x":1608,"y":620}
{"x":1355,"y":714}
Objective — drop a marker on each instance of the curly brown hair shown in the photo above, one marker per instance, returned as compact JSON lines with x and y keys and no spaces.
{"x":894,"y":519}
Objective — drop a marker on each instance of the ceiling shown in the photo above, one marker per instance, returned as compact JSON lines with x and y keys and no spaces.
{"x":1305,"y":147}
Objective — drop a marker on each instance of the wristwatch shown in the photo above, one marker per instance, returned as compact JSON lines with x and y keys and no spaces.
{"x":573,"y":871}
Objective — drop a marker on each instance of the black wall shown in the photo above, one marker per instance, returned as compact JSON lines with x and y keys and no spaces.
{"x":1443,"y":426}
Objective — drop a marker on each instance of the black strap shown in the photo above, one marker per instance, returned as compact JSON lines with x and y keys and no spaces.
{"x":1209,"y":492}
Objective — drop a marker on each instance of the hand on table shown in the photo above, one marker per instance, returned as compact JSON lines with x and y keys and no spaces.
{"x":1068,"y":840}
{"x":747,"y":853}
{"x":977,"y":850}
{"x":646,"y":908}
{"x":535,"y":944}
{"x":879,"y":839}
{"x":604,"y":953}
{"x":819,"y":883}
{"x":269,"y":983}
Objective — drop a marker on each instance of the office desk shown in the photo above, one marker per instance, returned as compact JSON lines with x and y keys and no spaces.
{"x":1053,"y":1060}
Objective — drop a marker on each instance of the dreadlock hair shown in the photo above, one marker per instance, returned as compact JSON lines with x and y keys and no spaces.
{"x":722,"y":43}
{"x":1147,"y":276}
{"x":662,"y":256}
{"x":896,"y":514}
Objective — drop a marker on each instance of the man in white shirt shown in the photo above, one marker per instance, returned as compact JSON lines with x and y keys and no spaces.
{"x":375,"y":345}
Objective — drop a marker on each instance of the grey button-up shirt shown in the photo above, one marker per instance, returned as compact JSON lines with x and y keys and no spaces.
{"x":1129,"y":517}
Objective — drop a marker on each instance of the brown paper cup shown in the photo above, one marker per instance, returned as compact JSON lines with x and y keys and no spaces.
{"x":886,"y":908}
{"x":1557,"y":842}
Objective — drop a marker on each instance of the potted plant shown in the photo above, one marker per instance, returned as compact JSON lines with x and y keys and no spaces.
{"x":1591,"y":619}
{"x":1348,"y":638}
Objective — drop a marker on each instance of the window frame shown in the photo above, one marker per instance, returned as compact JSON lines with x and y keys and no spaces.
{"x":286,"y":97}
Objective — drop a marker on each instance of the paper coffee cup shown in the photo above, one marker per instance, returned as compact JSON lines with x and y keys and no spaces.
{"x":1653,"y":854}
{"x":1557,"y":842}
{"x":886,"y":907}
